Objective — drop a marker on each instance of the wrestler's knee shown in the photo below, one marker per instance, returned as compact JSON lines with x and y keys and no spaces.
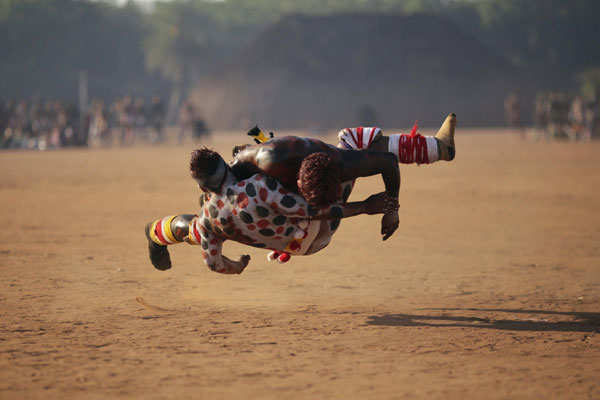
{"x":180,"y":226}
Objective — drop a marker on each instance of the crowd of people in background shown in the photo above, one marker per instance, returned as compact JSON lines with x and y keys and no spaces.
{"x":557,"y":115}
{"x":50,"y":124}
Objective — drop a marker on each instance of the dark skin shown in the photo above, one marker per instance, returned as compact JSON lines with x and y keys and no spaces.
{"x":281,"y":158}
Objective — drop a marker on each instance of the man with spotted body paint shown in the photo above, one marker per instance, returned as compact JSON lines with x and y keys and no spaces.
{"x":257,"y":211}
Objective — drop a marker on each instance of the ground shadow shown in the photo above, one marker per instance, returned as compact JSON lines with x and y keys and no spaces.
{"x":584,"y":321}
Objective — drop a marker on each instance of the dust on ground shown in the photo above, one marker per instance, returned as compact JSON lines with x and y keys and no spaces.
{"x":489,"y":288}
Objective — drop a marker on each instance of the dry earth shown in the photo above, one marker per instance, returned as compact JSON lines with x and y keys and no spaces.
{"x":490,"y":287}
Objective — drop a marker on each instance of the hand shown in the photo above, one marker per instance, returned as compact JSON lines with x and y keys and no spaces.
{"x":380,"y":203}
{"x":243,"y":260}
{"x":389,"y":224}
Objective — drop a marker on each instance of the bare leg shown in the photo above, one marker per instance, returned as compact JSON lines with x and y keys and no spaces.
{"x":438,"y":147}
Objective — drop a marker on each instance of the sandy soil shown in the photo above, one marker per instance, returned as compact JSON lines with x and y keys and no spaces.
{"x":490,"y":287}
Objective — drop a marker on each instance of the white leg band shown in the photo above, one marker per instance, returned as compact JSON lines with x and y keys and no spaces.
{"x":432,"y":147}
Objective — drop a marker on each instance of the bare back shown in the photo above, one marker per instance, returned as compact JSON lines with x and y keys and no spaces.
{"x":279,"y":158}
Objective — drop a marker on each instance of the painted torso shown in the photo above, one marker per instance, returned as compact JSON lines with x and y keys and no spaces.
{"x":258,"y":212}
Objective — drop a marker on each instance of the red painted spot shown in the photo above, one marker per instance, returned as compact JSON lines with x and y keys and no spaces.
{"x":263,"y":193}
{"x":263,"y":223}
{"x":214,"y":241}
{"x":242,"y":200}
{"x":274,"y":206}
{"x":279,"y":230}
{"x":234,"y":211}
{"x":213,"y":252}
{"x":293,"y":221}
{"x":241,"y":184}
{"x":283,"y":191}
{"x":294,"y":245}
{"x":220,"y":204}
{"x":204,"y":255}
{"x":301,"y":212}
{"x":206,"y":212}
{"x":258,"y":177}
{"x":216,"y":222}
{"x":251,"y":227}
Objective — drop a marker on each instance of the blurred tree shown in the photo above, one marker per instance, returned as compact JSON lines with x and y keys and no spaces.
{"x":552,"y":38}
{"x":45,"y":43}
{"x":589,"y":81}
{"x":181,"y":41}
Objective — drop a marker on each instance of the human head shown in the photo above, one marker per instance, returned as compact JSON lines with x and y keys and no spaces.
{"x":319,"y":180}
{"x":208,"y":169}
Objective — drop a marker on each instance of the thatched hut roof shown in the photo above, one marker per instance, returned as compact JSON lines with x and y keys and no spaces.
{"x":335,"y":71}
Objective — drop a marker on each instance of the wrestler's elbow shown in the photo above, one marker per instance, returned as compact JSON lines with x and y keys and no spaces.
{"x":389,"y":160}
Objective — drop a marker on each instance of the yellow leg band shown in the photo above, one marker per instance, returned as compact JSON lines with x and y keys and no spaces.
{"x":167,"y":231}
{"x":153,"y":234}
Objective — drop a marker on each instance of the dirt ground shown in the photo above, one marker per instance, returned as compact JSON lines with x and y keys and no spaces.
{"x":489,"y":288}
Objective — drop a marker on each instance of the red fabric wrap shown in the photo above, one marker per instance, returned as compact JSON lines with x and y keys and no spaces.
{"x":411,"y":142}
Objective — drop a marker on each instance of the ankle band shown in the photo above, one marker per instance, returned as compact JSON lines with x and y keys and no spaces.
{"x":160,"y":231}
{"x":414,"y":147}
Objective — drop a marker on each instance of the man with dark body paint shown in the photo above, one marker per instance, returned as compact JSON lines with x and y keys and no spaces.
{"x":283,"y":159}
{"x":289,"y":160}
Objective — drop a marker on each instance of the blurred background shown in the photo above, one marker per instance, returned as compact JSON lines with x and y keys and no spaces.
{"x":95,"y":73}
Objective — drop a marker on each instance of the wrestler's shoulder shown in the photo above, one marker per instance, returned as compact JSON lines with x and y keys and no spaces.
{"x":261,"y":180}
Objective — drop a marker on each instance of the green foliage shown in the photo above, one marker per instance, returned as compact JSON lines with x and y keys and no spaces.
{"x":45,"y":43}
{"x":543,"y":35}
{"x":180,"y":41}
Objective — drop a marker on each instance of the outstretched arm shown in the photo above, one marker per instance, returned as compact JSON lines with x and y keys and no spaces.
{"x":379,"y":203}
{"x":366,"y":162}
{"x":289,"y":204}
{"x":359,"y":163}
